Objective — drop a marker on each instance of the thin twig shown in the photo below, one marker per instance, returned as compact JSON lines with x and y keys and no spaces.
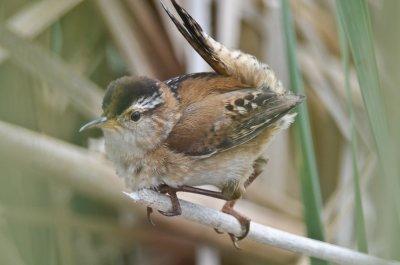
{"x":258,"y":232}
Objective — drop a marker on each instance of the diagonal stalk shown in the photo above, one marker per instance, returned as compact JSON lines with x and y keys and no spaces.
{"x":311,"y":193}
{"x":361,"y":234}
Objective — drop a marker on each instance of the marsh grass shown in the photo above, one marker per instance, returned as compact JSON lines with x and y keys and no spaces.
{"x":309,"y":179}
{"x":361,"y":233}
{"x":356,"y":21}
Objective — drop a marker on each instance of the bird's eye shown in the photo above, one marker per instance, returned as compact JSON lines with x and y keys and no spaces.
{"x":135,"y":116}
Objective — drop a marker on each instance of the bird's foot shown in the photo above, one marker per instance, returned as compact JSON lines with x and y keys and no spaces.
{"x":228,"y":208}
{"x":176,"y":207}
{"x":243,"y":220}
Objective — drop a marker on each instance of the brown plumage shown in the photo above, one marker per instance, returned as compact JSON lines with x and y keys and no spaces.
{"x":239,"y":114}
{"x":196,"y":129}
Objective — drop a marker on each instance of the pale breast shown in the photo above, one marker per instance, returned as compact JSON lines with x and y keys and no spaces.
{"x":220,"y":169}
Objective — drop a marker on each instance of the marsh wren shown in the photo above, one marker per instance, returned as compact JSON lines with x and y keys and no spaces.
{"x":196,"y":129}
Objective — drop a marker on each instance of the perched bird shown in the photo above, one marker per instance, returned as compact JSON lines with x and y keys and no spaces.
{"x":196,"y":129}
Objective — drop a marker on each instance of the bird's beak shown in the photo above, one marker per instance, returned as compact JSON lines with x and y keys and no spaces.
{"x":95,"y":123}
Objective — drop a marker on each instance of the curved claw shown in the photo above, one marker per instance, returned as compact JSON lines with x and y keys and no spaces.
{"x":245,"y":223}
{"x":234,"y":240}
{"x":245,"y":227}
{"x":169,"y":214}
{"x":149,"y":212}
{"x":217,"y":231}
{"x":243,"y":220}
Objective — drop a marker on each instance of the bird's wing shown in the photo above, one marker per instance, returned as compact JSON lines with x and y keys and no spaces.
{"x":190,"y":88}
{"x":224,"y":61}
{"x":235,"y":118}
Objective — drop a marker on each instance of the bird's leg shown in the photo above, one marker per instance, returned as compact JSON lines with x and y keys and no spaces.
{"x":243,"y":220}
{"x":174,"y":200}
{"x":176,"y":207}
{"x":209,"y":193}
{"x":257,"y":170}
{"x":228,"y":206}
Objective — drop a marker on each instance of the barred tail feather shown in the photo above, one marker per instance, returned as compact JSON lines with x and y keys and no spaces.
{"x":224,"y":61}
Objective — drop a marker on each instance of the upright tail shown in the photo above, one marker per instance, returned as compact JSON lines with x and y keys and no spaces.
{"x":224,"y":61}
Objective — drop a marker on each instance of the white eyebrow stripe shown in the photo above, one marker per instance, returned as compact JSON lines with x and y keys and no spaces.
{"x":146,"y":103}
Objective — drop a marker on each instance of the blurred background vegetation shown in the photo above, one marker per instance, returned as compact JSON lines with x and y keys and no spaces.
{"x":60,"y":202}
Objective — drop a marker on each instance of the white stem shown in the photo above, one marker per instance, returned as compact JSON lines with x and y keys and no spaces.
{"x":200,"y":10}
{"x":258,"y":232}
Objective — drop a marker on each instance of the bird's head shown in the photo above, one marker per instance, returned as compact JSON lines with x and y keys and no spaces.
{"x":137,"y":111}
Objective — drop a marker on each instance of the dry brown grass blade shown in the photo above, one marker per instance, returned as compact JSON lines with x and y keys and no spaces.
{"x":117,"y":20}
{"x":174,"y":35}
{"x":153,"y":36}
